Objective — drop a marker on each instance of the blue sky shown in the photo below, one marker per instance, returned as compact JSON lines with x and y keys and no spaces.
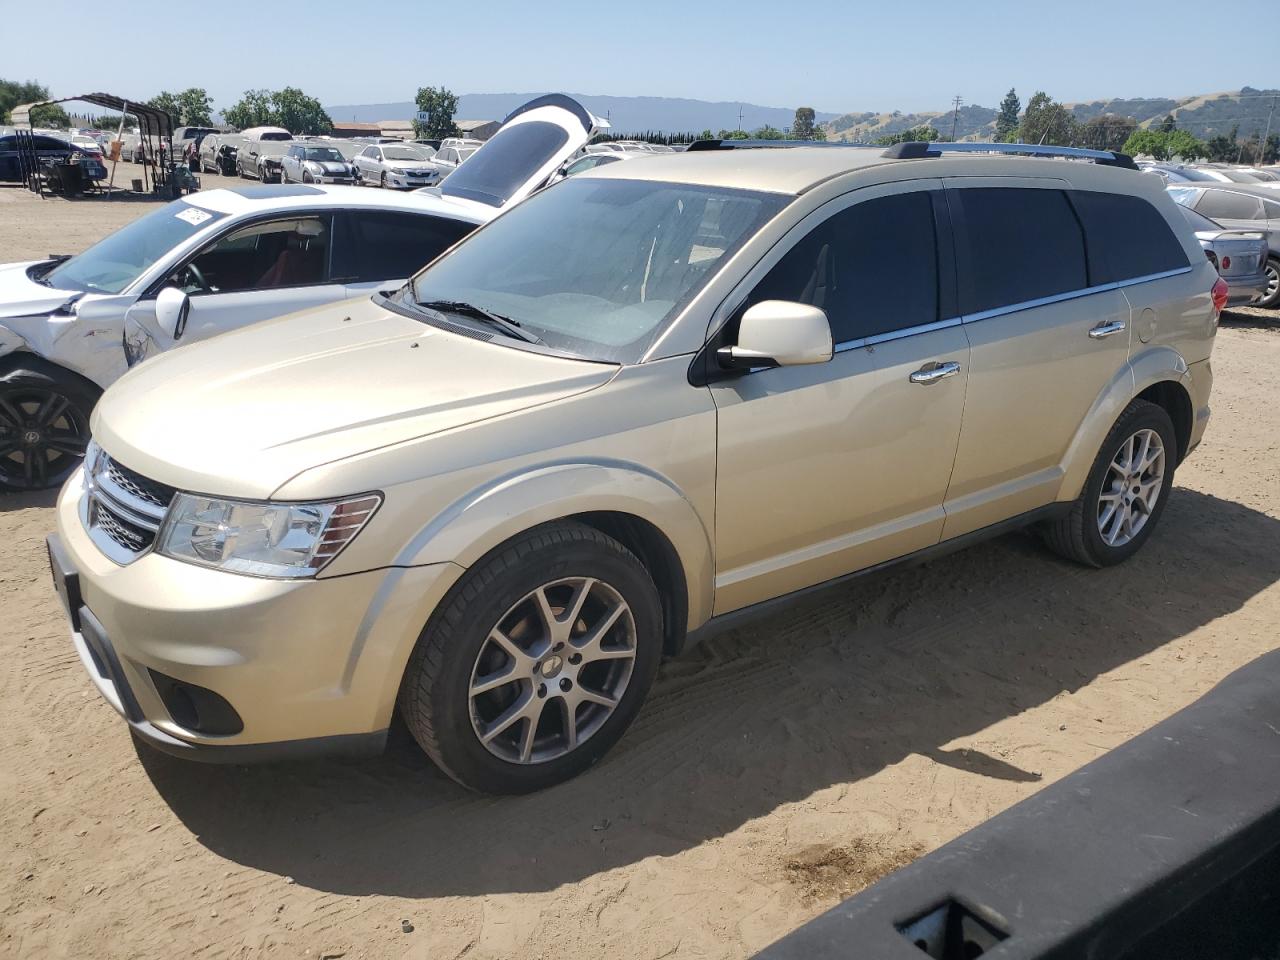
{"x":826,"y":54}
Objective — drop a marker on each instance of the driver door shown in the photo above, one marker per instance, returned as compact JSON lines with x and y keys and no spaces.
{"x":254,"y":272}
{"x":830,"y":468}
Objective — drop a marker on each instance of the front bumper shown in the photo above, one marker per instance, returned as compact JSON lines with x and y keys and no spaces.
{"x":307,"y":667}
{"x":410,"y":182}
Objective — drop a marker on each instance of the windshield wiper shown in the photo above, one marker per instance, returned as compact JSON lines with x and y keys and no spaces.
{"x":508,"y":326}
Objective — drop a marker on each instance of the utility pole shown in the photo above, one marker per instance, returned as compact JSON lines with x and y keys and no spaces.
{"x":739,"y":118}
{"x":1267,"y":136}
{"x":955,"y":115}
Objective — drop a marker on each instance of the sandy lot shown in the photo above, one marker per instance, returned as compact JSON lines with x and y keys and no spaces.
{"x":773,"y":771}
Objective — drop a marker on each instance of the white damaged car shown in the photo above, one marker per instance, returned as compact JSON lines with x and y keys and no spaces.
{"x":222,"y":259}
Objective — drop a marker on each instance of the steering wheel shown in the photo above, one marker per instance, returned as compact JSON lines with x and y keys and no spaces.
{"x":194,"y":273}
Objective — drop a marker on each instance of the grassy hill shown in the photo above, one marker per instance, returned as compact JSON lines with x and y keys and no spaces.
{"x":1203,"y":115}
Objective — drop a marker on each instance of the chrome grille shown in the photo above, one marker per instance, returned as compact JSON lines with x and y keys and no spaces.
{"x":122,"y":510}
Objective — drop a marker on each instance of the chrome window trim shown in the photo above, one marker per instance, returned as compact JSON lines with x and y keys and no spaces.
{"x":871,"y":341}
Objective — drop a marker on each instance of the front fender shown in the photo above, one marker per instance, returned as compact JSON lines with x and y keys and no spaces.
{"x":472,"y":526}
{"x":1144,"y":369}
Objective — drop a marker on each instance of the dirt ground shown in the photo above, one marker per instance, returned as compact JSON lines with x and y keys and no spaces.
{"x":774,"y":770}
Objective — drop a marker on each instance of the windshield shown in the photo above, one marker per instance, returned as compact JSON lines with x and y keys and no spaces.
{"x":598,"y":267}
{"x":1199,"y":221}
{"x":1238,"y":176}
{"x":323,"y":153}
{"x":1186,"y":196}
{"x":403,"y":153}
{"x":112,"y":264}
{"x":1196,"y":176}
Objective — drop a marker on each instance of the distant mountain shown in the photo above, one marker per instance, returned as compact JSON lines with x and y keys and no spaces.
{"x":626,"y":114}
{"x":1204,"y":115}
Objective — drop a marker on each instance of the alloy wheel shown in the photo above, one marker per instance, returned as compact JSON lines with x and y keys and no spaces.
{"x":42,"y":437}
{"x":1131,"y":488}
{"x":552,"y":670}
{"x":1273,"y":283}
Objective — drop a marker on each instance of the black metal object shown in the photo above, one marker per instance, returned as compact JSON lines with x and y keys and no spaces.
{"x":1104,"y":863}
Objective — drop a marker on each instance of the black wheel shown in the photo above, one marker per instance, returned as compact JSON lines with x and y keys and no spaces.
{"x":383,"y":184}
{"x":1125,"y":493}
{"x":1271,"y":298}
{"x":307,"y":178}
{"x":44,"y":423}
{"x":536,"y":662}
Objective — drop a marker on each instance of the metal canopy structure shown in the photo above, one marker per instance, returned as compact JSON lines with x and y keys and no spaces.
{"x":152,"y":122}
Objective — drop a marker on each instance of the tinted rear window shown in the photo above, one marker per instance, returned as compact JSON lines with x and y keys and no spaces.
{"x":1127,"y":237}
{"x":515,"y":154}
{"x":381,"y":245}
{"x":877,"y":251}
{"x":1225,"y":205}
{"x":1016,"y":245}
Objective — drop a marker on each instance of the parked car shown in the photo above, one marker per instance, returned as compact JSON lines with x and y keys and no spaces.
{"x":218,"y":153}
{"x":222,"y":259}
{"x":1227,"y":174}
{"x":48,"y":150}
{"x":1241,"y":207}
{"x":648,"y":402}
{"x":1240,"y":257}
{"x":266,"y":133}
{"x":404,"y":166}
{"x":432,"y":142}
{"x":262,"y":159}
{"x":1176,"y":172}
{"x":452,"y":153}
{"x":87,"y":146}
{"x":315,"y":162}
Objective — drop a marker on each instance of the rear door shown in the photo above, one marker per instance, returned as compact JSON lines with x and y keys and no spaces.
{"x":830,"y":468}
{"x":377,"y":249}
{"x":1045,"y":342}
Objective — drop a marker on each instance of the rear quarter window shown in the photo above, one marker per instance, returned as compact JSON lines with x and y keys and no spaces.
{"x":1227,"y":205}
{"x":383,"y":245}
{"x":1126,"y":237}
{"x":1014,"y":245}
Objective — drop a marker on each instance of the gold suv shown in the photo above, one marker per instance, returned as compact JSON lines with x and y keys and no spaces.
{"x":642,"y":404}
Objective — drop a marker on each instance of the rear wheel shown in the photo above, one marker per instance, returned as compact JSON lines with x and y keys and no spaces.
{"x":536,"y":662}
{"x":383,"y":184}
{"x":1125,"y":493}
{"x":44,"y":423}
{"x":1271,"y":297}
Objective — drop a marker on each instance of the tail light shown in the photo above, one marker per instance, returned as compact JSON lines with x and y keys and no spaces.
{"x":1226,"y":263}
{"x":1219,"y":295}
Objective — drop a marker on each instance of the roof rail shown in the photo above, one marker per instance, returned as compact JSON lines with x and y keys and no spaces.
{"x":727,"y":144}
{"x":920,"y":149}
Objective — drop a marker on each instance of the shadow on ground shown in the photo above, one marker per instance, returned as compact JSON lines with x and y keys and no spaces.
{"x":824,"y":693}
{"x":27,"y":499}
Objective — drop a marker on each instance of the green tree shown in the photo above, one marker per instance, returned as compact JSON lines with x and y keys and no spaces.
{"x":1180,"y":143}
{"x":439,"y":104}
{"x":734,"y":135}
{"x":768,"y":132}
{"x":14,"y":93}
{"x":803,"y":128}
{"x":1147,"y":143}
{"x":299,"y":113}
{"x":1007,"y":118}
{"x":167,"y":102}
{"x":1223,"y":148}
{"x":251,"y":110}
{"x":1107,"y":132}
{"x":706,"y":135}
{"x":820,"y":134}
{"x":1168,"y":124}
{"x":192,"y":107}
{"x":1047,"y":121}
{"x":911,"y":135}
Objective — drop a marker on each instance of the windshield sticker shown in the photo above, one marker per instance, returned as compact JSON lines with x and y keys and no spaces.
{"x":193,"y":216}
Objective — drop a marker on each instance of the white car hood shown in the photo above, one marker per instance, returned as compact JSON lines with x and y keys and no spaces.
{"x":20,"y":296}
{"x":503,"y":171}
{"x":409,"y":164}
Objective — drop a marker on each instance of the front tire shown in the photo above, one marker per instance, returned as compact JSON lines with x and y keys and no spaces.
{"x":44,"y":423}
{"x":536,"y":662}
{"x":383,"y":184}
{"x":1125,"y":493}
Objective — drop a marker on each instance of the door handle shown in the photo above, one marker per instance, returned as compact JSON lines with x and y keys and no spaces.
{"x":932,"y":373}
{"x":1108,"y":329}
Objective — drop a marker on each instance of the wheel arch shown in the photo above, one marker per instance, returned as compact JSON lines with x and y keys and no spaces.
{"x":1159,"y":373}
{"x":647,"y":513}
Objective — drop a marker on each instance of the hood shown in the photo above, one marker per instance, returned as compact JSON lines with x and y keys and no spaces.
{"x":528,"y":148}
{"x":20,"y":296}
{"x":330,"y":166}
{"x":241,"y":414}
{"x":410,"y":164}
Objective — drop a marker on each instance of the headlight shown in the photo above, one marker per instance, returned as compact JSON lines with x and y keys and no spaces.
{"x":262,"y":539}
{"x":398,"y":172}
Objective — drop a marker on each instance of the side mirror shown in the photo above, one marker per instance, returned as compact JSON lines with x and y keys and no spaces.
{"x":779,"y":333}
{"x":172,"y":307}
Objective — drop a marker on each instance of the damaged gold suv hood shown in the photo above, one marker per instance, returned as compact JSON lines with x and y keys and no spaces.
{"x":241,"y":414}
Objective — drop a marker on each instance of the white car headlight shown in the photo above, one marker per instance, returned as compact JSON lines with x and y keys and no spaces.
{"x":283,"y":540}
